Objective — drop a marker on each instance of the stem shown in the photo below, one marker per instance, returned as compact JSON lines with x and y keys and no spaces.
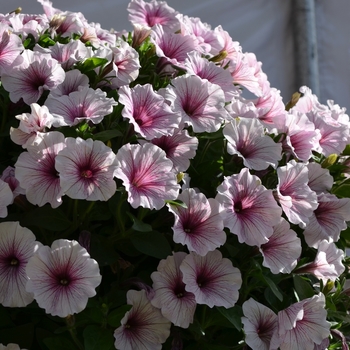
{"x":70,"y":321}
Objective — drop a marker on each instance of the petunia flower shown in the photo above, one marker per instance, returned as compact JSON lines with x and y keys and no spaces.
{"x":8,"y":175}
{"x":85,"y":104}
{"x":247,"y":139}
{"x":36,"y":172}
{"x":148,"y":14}
{"x":150,"y":115}
{"x":320,"y":180}
{"x":200,"y":103}
{"x":143,"y":327}
{"x":86,"y":169}
{"x":6,"y":198}
{"x":31,"y":73}
{"x":199,"y":226}
{"x":211,"y":278}
{"x":327,"y":264}
{"x":171,"y":297}
{"x":10,"y":346}
{"x":283,"y":249}
{"x":62,"y":278}
{"x":250,"y":209}
{"x":303,"y":323}
{"x":179,"y":148}
{"x":147,"y":175}
{"x":31,"y":124}
{"x":327,"y":220}
{"x":259,"y":324}
{"x":296,"y":198}
{"x":17,"y":246}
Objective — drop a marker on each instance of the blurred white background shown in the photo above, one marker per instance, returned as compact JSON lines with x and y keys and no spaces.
{"x":264,"y":27}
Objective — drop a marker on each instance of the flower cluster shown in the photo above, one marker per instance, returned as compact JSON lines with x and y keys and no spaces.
{"x":146,"y":203}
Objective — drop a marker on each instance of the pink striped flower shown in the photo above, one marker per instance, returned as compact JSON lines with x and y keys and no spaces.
{"x":6,"y":198}
{"x":62,"y":278}
{"x":250,"y":209}
{"x":211,"y":278}
{"x":150,"y":115}
{"x":8,"y":175}
{"x":327,"y":220}
{"x":296,"y":198}
{"x":282,"y":251}
{"x":320,"y":180}
{"x":147,"y":175}
{"x":36,"y":172}
{"x":302,"y":323}
{"x":143,"y":327}
{"x":86,"y":169}
{"x":171,"y":297}
{"x":259,"y":324}
{"x":199,"y":226}
{"x":17,"y":246}
{"x":247,"y":139}
{"x":200,"y":103}
{"x":32,"y":73}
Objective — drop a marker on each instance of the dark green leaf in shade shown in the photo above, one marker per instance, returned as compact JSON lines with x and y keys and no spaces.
{"x":303,"y":287}
{"x":97,"y":338}
{"x":176,"y":203}
{"x":139,"y":225}
{"x":92,"y":63}
{"x":342,"y":191}
{"x":114,"y":318}
{"x":274,"y":288}
{"x":58,"y":343}
{"x":107,"y":135}
{"x":233,"y":314}
{"x":47,"y":218}
{"x":152,"y":244}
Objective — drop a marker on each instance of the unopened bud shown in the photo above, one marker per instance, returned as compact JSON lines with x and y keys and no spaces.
{"x":17,"y":11}
{"x":293,"y":101}
{"x":330,"y":160}
{"x":179,"y":177}
{"x":219,"y":57}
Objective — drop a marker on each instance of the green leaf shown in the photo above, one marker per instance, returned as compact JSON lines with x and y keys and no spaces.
{"x":58,"y":343}
{"x":342,"y":191}
{"x":107,"y":135}
{"x":233,"y":314}
{"x":114,"y":318}
{"x":139,"y":225}
{"x":273,"y":288}
{"x":152,"y":244}
{"x":92,"y":63}
{"x":47,"y":218}
{"x":303,"y":288}
{"x":176,"y":203}
{"x":96,"y":338}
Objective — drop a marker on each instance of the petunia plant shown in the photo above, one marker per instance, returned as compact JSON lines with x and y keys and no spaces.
{"x":157,"y":193}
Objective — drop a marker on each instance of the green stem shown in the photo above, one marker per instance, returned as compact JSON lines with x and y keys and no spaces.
{"x":70,"y":321}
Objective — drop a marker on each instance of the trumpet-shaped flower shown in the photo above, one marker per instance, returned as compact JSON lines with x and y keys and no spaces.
{"x":6,"y":198}
{"x":10,"y":346}
{"x":150,"y":115}
{"x":86,"y":169}
{"x":296,"y":198}
{"x":283,"y":249}
{"x":320,"y":180}
{"x":259,"y":324}
{"x":199,"y":226}
{"x":211,"y":278}
{"x":17,"y":246}
{"x":328,"y":220}
{"x":31,"y":73}
{"x":8,"y":176}
{"x":84,"y":104}
{"x":62,"y":278}
{"x":147,"y":175}
{"x":36,"y":172}
{"x":176,"y":304}
{"x":179,"y":148}
{"x":250,"y":209}
{"x":302,"y":323}
{"x":247,"y":139}
{"x":143,"y":327}
{"x":200,"y":103}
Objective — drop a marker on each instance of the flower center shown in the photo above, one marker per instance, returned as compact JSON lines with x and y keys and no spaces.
{"x":238,"y":207}
{"x":87,"y":174}
{"x":14,"y":262}
{"x":64,"y":281}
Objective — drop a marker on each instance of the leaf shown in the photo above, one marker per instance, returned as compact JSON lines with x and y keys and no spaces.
{"x":58,"y":343}
{"x":176,"y":203}
{"x":152,"y":244}
{"x":273,"y":288}
{"x":47,"y":218}
{"x":107,"y":135}
{"x":114,"y":318}
{"x":139,"y":225}
{"x":303,"y":288}
{"x":92,"y":63}
{"x":233,"y":314}
{"x":96,"y":338}
{"x":342,"y":191}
